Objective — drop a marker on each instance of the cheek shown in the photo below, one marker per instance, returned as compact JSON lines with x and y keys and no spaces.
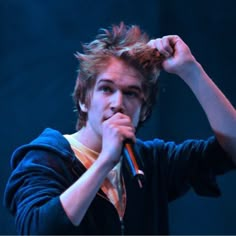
{"x":97,"y":104}
{"x":135,"y":116}
{"x":94,"y":100}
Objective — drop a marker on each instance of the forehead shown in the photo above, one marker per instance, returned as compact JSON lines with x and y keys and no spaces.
{"x":120,"y":72}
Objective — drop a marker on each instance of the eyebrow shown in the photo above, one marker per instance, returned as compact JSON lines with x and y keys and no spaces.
{"x":135,"y":87}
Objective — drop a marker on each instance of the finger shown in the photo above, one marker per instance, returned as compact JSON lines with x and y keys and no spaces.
{"x":120,"y":120}
{"x":161,"y":47}
{"x":120,"y":116}
{"x":151,"y":43}
{"x":128,"y":133}
{"x":167,"y":44}
{"x":177,"y":43}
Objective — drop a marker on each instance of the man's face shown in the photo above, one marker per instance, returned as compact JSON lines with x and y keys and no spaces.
{"x":118,"y":88}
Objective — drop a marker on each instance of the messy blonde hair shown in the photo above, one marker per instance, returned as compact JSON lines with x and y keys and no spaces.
{"x":127,"y":43}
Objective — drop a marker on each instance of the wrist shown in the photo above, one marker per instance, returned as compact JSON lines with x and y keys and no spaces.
{"x":191,"y":72}
{"x":105,"y":162}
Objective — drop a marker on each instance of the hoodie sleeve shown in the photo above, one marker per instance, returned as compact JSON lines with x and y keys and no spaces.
{"x":196,"y":164}
{"x":32,"y":194}
{"x":190,"y":164}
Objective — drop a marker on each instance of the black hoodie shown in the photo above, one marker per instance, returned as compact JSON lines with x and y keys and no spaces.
{"x":46,"y":167}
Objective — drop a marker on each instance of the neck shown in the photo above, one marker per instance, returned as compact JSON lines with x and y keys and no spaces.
{"x":89,"y":140}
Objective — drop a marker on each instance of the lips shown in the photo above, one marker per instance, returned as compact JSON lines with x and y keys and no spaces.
{"x":106,"y":117}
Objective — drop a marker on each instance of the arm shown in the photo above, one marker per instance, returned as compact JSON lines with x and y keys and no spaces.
{"x":115,"y":130}
{"x":219,"y":111}
{"x":34,"y":193}
{"x":77,"y":198}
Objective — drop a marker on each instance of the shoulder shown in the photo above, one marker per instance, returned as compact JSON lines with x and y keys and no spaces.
{"x":166,"y":149}
{"x":49,"y":142}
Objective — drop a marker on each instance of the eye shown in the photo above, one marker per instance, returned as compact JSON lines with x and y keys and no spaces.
{"x":106,"y":89}
{"x":131,"y":94}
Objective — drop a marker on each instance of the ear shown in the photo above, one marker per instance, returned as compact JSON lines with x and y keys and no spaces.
{"x":83,"y":107}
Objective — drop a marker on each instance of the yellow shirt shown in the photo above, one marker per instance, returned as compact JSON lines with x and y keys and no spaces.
{"x":113,"y":185}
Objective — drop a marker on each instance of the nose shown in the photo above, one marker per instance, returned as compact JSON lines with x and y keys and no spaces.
{"x":117,"y":102}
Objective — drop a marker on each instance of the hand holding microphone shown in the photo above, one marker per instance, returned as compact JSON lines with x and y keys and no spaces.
{"x":128,"y":151}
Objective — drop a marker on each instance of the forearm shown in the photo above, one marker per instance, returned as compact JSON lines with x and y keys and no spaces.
{"x":77,"y":199}
{"x":219,"y":111}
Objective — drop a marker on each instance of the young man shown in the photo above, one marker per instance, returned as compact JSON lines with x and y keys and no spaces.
{"x":78,"y":183}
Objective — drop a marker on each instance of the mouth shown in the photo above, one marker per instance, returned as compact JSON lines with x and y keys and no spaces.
{"x":106,"y":118}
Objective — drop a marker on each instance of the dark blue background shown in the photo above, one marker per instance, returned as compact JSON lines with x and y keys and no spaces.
{"x":38,"y":69}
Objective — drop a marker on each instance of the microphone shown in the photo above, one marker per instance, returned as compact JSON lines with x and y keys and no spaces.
{"x":132,"y":165}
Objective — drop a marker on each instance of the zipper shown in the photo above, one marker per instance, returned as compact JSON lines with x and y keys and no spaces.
{"x":122,"y":223}
{"x":122,"y":226}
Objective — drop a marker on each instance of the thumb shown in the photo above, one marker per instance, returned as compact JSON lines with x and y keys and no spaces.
{"x":169,"y":65}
